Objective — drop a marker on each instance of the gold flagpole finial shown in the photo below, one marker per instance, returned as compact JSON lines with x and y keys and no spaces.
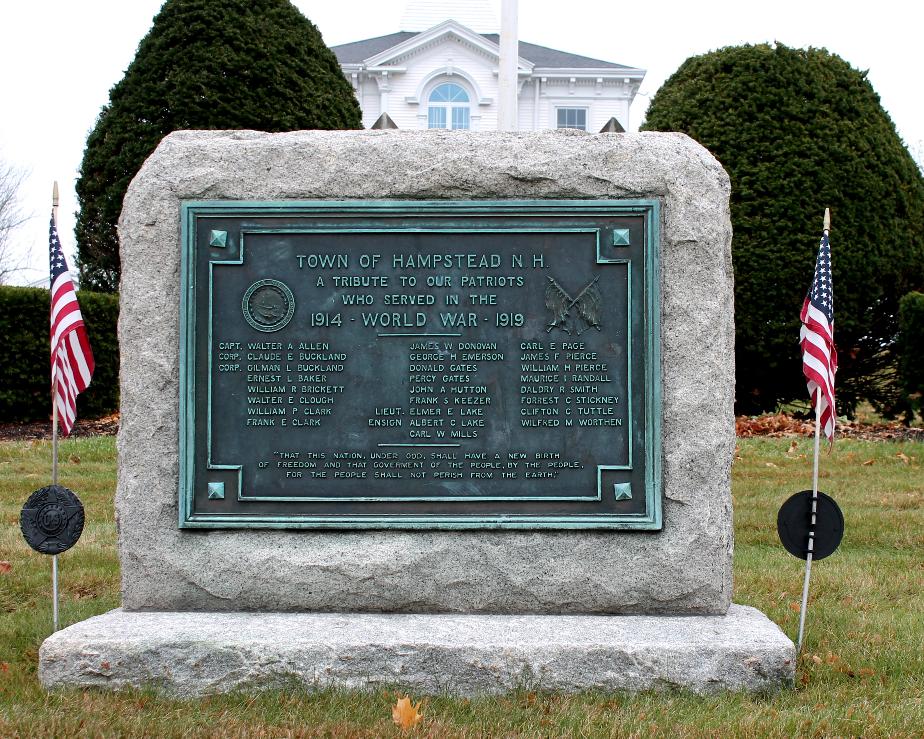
{"x":827,"y":219}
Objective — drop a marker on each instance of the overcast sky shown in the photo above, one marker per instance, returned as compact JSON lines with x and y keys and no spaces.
{"x":59,"y":58}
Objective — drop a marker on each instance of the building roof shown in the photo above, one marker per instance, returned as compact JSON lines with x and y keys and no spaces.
{"x":541,"y":56}
{"x":358,"y":51}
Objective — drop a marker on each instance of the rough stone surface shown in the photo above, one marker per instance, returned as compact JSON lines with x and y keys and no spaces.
{"x":188,"y":654}
{"x":686,"y":568}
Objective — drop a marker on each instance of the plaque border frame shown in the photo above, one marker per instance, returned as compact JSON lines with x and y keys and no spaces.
{"x":651,"y":519}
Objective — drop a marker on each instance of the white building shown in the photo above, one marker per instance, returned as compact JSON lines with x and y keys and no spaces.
{"x":443,"y":73}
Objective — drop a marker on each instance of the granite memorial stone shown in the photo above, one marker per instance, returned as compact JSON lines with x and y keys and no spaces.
{"x":454,"y":407}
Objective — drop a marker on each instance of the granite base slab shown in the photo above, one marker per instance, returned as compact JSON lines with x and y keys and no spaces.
{"x":197,"y":653}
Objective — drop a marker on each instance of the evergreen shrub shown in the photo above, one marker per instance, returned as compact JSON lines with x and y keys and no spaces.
{"x":204,"y":64}
{"x":799,"y":130}
{"x":911,"y":352}
{"x":25,"y":394}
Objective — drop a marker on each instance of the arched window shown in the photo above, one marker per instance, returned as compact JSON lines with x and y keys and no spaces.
{"x":448,"y":107}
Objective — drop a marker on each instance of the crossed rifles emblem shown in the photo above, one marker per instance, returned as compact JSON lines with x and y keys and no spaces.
{"x":588,"y":303}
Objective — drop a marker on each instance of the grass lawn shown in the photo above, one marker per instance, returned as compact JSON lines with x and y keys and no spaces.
{"x":861,"y":674}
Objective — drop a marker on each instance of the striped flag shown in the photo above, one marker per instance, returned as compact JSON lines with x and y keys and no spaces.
{"x":71,"y":357}
{"x":819,"y":357}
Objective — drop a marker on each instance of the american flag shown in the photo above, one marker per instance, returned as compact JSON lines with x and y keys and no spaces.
{"x":819,"y":357}
{"x":71,"y":357}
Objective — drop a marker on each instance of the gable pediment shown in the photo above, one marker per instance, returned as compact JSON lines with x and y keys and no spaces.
{"x":449,"y":30}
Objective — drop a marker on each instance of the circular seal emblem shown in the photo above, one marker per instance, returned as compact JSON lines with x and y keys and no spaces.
{"x":268,"y":305}
{"x":52,"y":520}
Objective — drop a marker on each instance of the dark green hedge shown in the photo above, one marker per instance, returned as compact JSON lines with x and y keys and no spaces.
{"x":25,"y":393}
{"x":911,"y":351}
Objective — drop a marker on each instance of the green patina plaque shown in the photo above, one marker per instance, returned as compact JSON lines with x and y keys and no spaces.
{"x":409,"y":364}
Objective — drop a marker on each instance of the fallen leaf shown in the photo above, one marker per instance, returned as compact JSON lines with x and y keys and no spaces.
{"x":795,"y":606}
{"x":866,"y":672}
{"x":770,"y":464}
{"x":868,"y":462}
{"x":816,"y":659}
{"x":5,"y":567}
{"x":75,"y":459}
{"x":104,"y":665}
{"x":404,"y":714}
{"x":903,"y":457}
{"x":793,"y":447}
{"x":4,"y":666}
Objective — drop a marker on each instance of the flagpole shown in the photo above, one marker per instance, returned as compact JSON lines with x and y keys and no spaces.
{"x":54,"y":441}
{"x":811,"y":534}
{"x":54,"y":405}
{"x":810,"y":549}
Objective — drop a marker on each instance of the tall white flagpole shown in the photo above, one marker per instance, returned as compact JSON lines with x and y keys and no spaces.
{"x":811,"y":535}
{"x":507,"y":81}
{"x":54,"y":442}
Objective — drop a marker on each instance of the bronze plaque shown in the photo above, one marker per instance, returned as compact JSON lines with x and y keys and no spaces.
{"x":420,"y":365}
